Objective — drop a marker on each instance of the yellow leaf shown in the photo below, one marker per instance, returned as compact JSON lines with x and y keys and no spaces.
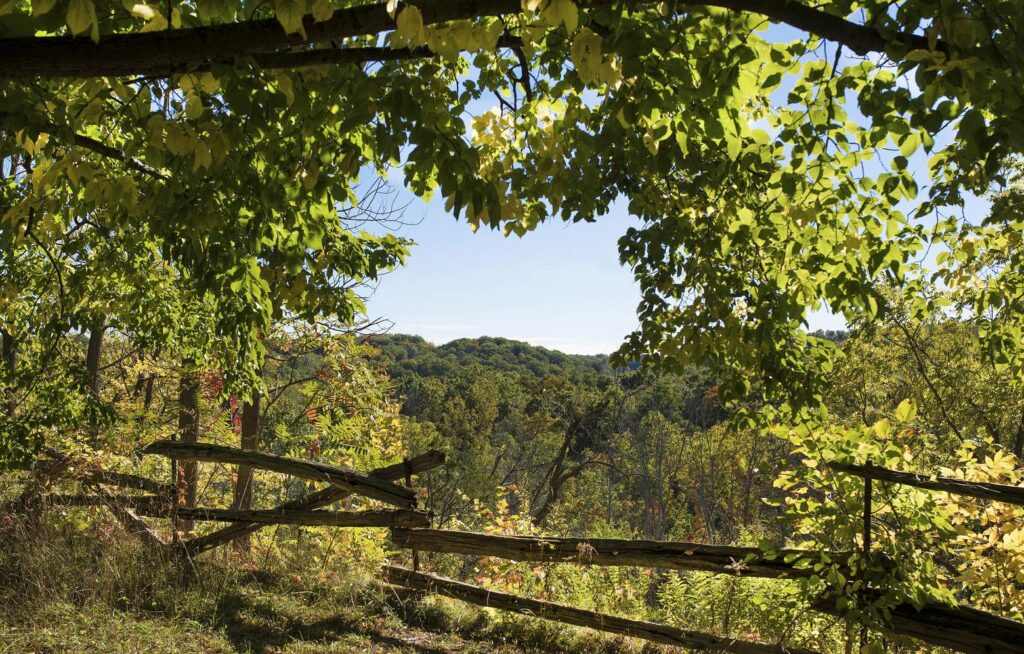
{"x":289,"y":13}
{"x":409,"y":26}
{"x":561,"y":11}
{"x":40,"y":7}
{"x":322,"y":10}
{"x":284,"y":85}
{"x":203,"y":157}
{"x":179,"y":141}
{"x":586,"y":54}
{"x":143,"y":11}
{"x":81,"y":16}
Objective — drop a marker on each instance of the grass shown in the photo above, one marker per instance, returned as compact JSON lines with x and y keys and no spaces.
{"x":87,"y":588}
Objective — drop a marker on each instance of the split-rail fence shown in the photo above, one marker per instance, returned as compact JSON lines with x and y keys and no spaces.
{"x":959,"y":628}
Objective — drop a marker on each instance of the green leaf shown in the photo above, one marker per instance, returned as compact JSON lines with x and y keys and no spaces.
{"x":409,"y":26}
{"x":322,"y":10}
{"x":41,"y":7}
{"x":906,"y":410}
{"x":81,"y":17}
{"x":290,"y":13}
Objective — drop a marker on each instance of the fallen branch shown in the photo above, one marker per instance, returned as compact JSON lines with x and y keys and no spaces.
{"x":355,"y":482}
{"x":315,"y":500}
{"x":580,"y":617}
{"x":747,"y":561}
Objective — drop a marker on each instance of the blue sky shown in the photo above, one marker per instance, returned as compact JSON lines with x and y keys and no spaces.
{"x":560,"y":286}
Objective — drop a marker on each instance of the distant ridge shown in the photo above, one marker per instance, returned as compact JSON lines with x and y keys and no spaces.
{"x":406,"y":354}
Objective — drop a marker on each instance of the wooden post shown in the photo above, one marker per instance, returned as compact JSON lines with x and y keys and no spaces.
{"x":188,"y":432}
{"x":250,"y":429}
{"x":408,"y":482}
{"x":867,"y":518}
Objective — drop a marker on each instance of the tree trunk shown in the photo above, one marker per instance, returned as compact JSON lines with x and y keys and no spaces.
{"x":188,"y":432}
{"x":92,"y":357}
{"x":1018,"y":441}
{"x":244,"y":481}
{"x":554,"y":483}
{"x":10,"y":357}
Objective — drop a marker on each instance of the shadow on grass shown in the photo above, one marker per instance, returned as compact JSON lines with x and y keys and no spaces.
{"x":261,"y":628}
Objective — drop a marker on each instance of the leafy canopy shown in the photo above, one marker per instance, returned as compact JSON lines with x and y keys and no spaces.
{"x":772,"y":168}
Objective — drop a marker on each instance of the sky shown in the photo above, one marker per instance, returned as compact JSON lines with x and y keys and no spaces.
{"x":559,"y":287}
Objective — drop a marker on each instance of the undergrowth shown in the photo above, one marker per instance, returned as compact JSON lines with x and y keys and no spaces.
{"x":70,"y":585}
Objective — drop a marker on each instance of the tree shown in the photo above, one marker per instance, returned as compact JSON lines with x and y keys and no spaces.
{"x":756,"y":208}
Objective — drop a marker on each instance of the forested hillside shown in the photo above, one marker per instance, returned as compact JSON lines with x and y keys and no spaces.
{"x":560,"y":430}
{"x":412,"y":356}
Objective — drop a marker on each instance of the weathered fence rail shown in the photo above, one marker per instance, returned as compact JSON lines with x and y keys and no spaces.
{"x":125,"y":480}
{"x":355,"y":482}
{"x":155,"y":501}
{"x":318,"y":499}
{"x":981,"y":490}
{"x":748,"y":561}
{"x":959,"y":628}
{"x":654,"y":632}
{"x":393,"y":518}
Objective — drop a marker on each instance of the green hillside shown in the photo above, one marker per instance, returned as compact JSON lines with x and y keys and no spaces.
{"x":414,"y":356}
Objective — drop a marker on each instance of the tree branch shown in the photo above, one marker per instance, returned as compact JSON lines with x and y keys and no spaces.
{"x":89,"y":143}
{"x":170,"y":51}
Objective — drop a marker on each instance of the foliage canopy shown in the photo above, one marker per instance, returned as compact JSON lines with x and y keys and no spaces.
{"x":766,"y":146}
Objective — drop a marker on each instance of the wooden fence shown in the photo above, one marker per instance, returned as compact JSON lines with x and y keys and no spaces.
{"x":982,"y":490}
{"x":307,"y":510}
{"x":957,"y":627}
{"x":960,"y":628}
{"x":746,"y":561}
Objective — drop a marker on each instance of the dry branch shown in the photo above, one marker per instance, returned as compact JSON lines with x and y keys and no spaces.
{"x":355,"y":482}
{"x":747,"y":561}
{"x":397,"y":518}
{"x":982,"y":490}
{"x":316,"y":500}
{"x":581,"y":618}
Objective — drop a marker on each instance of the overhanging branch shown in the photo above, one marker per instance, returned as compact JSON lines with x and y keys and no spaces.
{"x":100,"y":148}
{"x":176,"y":50}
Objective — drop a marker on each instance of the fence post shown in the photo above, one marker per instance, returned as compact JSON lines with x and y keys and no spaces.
{"x":408,"y":482}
